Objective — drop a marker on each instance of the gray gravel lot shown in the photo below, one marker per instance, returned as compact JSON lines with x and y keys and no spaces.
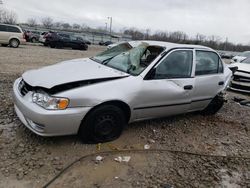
{"x":28,"y":160}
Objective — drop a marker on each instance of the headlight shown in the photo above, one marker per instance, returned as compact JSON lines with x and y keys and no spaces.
{"x":50,"y":103}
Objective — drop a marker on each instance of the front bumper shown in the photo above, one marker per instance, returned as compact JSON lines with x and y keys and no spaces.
{"x":46,"y":122}
{"x":241,"y":82}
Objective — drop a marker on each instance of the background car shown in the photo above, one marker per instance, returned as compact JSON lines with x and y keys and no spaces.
{"x":102,"y":43}
{"x":84,"y":39}
{"x":241,"y":78}
{"x":240,"y":57}
{"x":44,"y":36}
{"x":11,"y":35}
{"x":60,"y":40}
{"x":34,"y":37}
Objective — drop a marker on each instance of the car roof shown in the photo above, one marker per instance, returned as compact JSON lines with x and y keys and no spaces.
{"x":10,"y":25}
{"x":169,"y":45}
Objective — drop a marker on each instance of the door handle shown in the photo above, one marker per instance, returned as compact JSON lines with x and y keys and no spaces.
{"x":221,"y":83}
{"x":188,"y":87}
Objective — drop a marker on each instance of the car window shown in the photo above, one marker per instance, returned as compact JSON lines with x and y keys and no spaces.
{"x":13,"y":29}
{"x":207,"y":63}
{"x":72,"y":37}
{"x":3,"y":28}
{"x":178,"y":64}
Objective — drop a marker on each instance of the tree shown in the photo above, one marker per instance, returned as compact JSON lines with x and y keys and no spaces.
{"x":31,"y":22}
{"x":8,"y":17}
{"x":76,"y":26}
{"x":58,"y":24}
{"x":66,"y":25}
{"x":47,"y":22}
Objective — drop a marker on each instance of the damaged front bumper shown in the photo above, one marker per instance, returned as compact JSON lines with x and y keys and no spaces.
{"x":241,"y":82}
{"x":46,"y":122}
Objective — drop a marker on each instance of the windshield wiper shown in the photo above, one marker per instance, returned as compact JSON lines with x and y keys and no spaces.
{"x":96,"y":60}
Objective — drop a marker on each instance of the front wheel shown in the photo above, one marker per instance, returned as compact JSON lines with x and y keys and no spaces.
{"x":214,"y":106}
{"x":102,"y":124}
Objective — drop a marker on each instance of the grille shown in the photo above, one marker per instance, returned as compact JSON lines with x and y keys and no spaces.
{"x":24,"y":88}
{"x":241,"y":78}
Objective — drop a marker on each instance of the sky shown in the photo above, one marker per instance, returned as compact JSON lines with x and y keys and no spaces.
{"x":223,"y":18}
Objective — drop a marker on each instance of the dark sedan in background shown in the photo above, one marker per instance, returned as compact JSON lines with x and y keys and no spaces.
{"x":61,"y":40}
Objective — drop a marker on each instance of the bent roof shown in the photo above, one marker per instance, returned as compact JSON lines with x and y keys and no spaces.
{"x":168,"y":45}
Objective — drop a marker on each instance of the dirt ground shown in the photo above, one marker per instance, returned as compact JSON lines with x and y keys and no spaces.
{"x":214,"y":151}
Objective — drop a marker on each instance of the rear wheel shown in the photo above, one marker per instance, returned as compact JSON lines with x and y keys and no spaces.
{"x":214,"y":106}
{"x":14,"y":43}
{"x":33,"y":40}
{"x":52,"y":45}
{"x":59,"y":45}
{"x":104,"y":123}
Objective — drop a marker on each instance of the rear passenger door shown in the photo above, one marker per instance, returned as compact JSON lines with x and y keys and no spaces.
{"x":209,"y":79}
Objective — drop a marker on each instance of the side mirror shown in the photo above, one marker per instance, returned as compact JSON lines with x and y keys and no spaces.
{"x":233,"y":69}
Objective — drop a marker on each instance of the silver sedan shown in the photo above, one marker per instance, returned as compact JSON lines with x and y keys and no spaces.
{"x":96,"y":97}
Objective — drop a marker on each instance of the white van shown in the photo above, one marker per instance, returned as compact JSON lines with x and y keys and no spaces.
{"x":11,"y":35}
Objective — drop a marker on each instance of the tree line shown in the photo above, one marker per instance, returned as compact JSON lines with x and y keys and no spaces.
{"x":212,"y":41}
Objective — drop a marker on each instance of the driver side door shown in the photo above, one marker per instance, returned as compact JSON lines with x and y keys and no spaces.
{"x":167,"y":91}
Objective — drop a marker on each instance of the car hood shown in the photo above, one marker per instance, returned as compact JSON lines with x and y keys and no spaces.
{"x":69,"y":72}
{"x":239,"y":58}
{"x":242,"y":66}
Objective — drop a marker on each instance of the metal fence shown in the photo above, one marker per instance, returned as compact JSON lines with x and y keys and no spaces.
{"x":94,"y":36}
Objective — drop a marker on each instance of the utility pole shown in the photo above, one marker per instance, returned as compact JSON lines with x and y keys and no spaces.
{"x":110,"y":18}
{"x":106,"y":27}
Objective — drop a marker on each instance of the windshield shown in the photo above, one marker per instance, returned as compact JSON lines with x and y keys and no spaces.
{"x":132,"y":60}
{"x":112,"y":52}
{"x":247,"y":61}
{"x":245,"y":54}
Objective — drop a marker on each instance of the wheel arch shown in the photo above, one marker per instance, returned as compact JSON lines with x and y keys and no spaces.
{"x":122,"y":105}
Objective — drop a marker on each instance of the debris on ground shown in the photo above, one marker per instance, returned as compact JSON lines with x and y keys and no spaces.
{"x":122,"y":159}
{"x":98,"y":159}
{"x":146,"y":146}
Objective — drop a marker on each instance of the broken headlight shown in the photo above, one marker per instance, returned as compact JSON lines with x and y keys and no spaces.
{"x":50,"y":103}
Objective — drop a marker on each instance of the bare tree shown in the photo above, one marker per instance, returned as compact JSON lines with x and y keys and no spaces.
{"x":66,"y":25}
{"x":58,"y":24}
{"x":47,"y":22}
{"x":31,"y":22}
{"x":8,"y":17}
{"x":76,"y":26}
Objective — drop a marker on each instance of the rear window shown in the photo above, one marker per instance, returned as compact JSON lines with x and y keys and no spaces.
{"x":13,"y":29}
{"x":3,"y":28}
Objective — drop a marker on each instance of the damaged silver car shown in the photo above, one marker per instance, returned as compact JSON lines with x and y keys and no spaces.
{"x":241,"y":79}
{"x":96,"y":97}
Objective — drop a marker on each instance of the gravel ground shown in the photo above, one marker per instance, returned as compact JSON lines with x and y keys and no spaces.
{"x":27,"y":160}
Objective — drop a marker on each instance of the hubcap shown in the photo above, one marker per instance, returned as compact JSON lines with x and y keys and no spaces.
{"x":14,"y":43}
{"x":105,"y":125}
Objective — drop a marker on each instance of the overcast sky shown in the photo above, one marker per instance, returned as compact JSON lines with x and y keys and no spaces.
{"x":224,"y":18}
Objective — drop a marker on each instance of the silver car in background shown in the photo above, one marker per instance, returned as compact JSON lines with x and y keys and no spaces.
{"x":96,"y":97}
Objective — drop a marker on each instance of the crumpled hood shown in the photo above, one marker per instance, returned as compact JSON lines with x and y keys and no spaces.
{"x":69,"y":71}
{"x":242,"y":66}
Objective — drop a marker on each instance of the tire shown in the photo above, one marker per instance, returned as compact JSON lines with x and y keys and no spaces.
{"x":33,"y":40}
{"x":14,"y":43}
{"x":214,"y":106}
{"x":102,"y":124}
{"x":52,"y":45}
{"x":59,"y":45}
